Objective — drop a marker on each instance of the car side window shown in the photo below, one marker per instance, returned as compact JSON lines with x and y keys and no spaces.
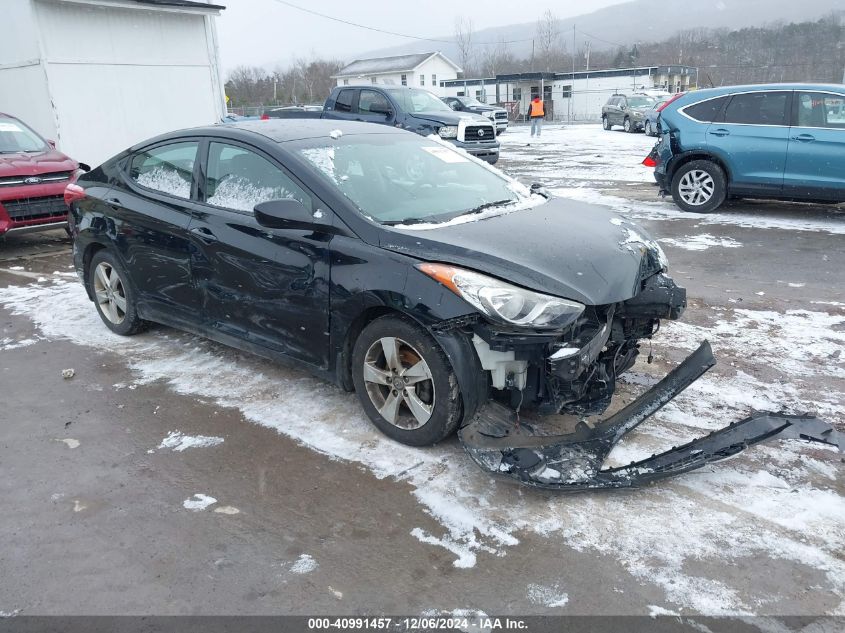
{"x":238,"y":179}
{"x":343,"y":103}
{"x":706,"y":111}
{"x":758,"y":108}
{"x":369,"y":98}
{"x":166,"y":168}
{"x":821,"y":110}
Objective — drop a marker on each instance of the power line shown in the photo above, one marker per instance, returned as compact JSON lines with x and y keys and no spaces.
{"x":599,"y":39}
{"x":378,"y":30}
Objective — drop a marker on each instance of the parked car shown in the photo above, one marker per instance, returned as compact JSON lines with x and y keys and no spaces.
{"x":629,"y":111}
{"x":410,"y":109}
{"x":467,"y":104}
{"x":33,"y":176}
{"x":784,"y":141}
{"x":290,"y":111}
{"x":651,"y":125}
{"x":442,"y":292}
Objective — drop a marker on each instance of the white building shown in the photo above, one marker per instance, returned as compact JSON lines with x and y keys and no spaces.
{"x":421,"y":70}
{"x":99,"y":75}
{"x":575,"y":96}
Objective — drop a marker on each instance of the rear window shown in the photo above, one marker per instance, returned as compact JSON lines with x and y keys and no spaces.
{"x":706,"y":111}
{"x":758,"y":108}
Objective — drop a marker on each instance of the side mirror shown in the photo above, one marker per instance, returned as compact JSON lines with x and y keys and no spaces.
{"x":51,"y":143}
{"x":382,"y":108}
{"x":286,"y":213}
{"x":455,"y":105}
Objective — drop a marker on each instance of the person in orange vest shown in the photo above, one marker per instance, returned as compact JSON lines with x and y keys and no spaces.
{"x":536,"y":113}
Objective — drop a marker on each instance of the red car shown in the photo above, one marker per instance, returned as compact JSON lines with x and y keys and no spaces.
{"x":33,"y":177}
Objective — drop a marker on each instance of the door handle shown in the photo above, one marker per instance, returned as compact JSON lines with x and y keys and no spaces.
{"x":720,"y":132}
{"x":804,"y":138}
{"x":114,"y":203}
{"x":204,"y":234}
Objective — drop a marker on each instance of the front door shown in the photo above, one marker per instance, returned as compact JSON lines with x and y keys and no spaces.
{"x":269,"y":287}
{"x":815,"y":161}
{"x":372,"y":106}
{"x":753,"y":134}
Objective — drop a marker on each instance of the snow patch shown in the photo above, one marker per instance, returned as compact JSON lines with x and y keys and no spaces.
{"x":547,"y":596}
{"x":304,"y":564}
{"x":701,"y":242}
{"x":198,"y":502}
{"x":178,"y":442}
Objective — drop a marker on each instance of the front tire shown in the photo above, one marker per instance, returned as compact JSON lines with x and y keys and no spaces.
{"x":405,"y":383}
{"x":605,"y":123}
{"x":114,"y":296}
{"x":699,"y":186}
{"x":647,"y":129}
{"x":628,"y":126}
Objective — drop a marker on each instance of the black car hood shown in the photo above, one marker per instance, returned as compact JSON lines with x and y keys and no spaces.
{"x":451,"y":118}
{"x":562,"y":247}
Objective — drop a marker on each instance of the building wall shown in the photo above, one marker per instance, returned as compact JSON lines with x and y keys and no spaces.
{"x":587,"y":95}
{"x":435,"y":66}
{"x":112,"y":76}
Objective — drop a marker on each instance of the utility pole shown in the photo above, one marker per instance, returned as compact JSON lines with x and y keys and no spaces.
{"x":572,"y":86}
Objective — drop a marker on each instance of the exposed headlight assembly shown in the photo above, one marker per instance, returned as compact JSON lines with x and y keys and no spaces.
{"x":448,"y":131}
{"x":505,"y":302}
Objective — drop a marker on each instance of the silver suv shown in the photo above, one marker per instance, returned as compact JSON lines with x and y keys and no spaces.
{"x":629,"y":111}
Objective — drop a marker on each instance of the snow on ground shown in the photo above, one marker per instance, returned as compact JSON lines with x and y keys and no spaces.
{"x":701,"y":242}
{"x":178,"y":441}
{"x":775,"y":501}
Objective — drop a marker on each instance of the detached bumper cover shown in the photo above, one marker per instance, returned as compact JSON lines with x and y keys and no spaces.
{"x":572,"y":462}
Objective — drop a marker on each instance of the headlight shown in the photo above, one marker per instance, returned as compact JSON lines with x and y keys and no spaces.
{"x":502,"y":301}
{"x":448,"y":131}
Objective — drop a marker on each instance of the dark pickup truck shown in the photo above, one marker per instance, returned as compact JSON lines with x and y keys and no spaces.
{"x":411,"y":109}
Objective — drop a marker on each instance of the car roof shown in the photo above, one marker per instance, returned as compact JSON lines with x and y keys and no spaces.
{"x":698,"y":95}
{"x":278,"y":130}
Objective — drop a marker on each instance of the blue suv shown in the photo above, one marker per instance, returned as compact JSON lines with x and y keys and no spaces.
{"x":784,"y":141}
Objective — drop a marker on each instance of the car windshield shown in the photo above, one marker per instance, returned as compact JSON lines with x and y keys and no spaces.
{"x":404,"y":179}
{"x":16,"y":138}
{"x":640,"y":101}
{"x":416,"y":100}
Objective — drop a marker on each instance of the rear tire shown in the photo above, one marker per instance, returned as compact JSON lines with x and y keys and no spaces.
{"x":699,"y":186}
{"x":114,"y":296}
{"x":405,"y":382}
{"x":605,"y":123}
{"x":647,"y":129}
{"x":628,"y":126}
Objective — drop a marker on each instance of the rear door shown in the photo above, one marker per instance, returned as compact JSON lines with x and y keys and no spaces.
{"x":344,"y":104}
{"x":268,"y":287}
{"x":152,"y":213}
{"x":815,"y":161}
{"x":752,"y":136}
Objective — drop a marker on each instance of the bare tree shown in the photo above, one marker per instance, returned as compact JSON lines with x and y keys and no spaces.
{"x":550,"y":47}
{"x":498,"y":58}
{"x":463,"y":39}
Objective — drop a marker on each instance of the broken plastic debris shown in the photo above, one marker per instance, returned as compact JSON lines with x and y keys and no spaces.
{"x":68,"y":373}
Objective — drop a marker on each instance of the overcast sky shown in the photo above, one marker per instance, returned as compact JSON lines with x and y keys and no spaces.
{"x":266,"y":32}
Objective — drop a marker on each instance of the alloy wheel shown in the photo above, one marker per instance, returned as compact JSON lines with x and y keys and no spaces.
{"x":110,"y":293}
{"x":399,"y":383}
{"x":696,"y":187}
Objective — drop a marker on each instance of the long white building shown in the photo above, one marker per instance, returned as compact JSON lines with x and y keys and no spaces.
{"x":575,"y":96}
{"x":99,"y":75}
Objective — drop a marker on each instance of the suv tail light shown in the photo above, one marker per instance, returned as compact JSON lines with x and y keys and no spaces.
{"x":73,"y":193}
{"x":653,"y":158}
{"x":677,"y":96}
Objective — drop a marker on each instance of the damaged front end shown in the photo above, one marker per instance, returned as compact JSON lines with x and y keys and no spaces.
{"x":572,"y":377}
{"x":501,"y":444}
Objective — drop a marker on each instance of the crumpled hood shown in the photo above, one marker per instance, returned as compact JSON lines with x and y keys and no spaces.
{"x":562,"y":247}
{"x":451,"y":118}
{"x":23,"y":164}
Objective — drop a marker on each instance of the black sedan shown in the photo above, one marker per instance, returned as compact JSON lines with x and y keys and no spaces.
{"x":440,"y":290}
